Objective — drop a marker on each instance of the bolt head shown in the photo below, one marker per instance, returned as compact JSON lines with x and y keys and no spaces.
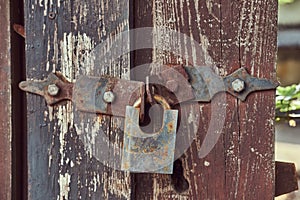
{"x":238,"y":85}
{"x":172,"y":85}
{"x":53,"y":90}
{"x":108,"y":97}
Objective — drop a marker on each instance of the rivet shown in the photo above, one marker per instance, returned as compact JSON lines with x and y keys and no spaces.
{"x":108,"y":97}
{"x":238,"y":85}
{"x":53,"y":90}
{"x":51,"y":15}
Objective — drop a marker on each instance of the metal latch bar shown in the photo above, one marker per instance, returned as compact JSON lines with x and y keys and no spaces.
{"x":103,"y":95}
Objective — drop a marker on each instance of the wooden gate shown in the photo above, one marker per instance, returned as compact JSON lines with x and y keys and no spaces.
{"x":233,"y":34}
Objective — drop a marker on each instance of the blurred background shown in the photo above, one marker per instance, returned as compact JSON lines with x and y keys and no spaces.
{"x":287,"y":126}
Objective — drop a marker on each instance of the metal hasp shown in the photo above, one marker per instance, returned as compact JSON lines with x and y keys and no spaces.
{"x":54,"y":89}
{"x":251,"y":84}
{"x":106,"y":95}
{"x":206,"y":83}
{"x":149,"y":152}
{"x":103,"y":95}
{"x":172,"y":83}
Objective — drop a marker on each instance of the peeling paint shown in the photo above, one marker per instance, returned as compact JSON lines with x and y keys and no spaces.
{"x":206,"y":163}
{"x":64,"y":185}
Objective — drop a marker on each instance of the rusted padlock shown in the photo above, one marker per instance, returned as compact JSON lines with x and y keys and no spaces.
{"x":149,"y":153}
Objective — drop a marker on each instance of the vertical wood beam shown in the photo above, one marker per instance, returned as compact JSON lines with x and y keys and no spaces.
{"x":5,"y":102}
{"x":233,"y":34}
{"x":59,"y":37}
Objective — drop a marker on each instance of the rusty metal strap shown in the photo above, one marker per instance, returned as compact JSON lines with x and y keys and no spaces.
{"x":206,"y":83}
{"x":105,"y":95}
{"x":177,"y":84}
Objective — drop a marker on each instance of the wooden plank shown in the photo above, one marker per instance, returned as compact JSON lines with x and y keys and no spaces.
{"x":5,"y":102}
{"x":285,"y":178}
{"x":60,"y":167}
{"x":233,"y":34}
{"x":258,"y":53}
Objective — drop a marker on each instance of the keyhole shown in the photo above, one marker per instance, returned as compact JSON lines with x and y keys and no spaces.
{"x":153,"y":118}
{"x":178,"y":181}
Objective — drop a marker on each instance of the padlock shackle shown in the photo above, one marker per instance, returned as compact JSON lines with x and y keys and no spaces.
{"x":159,"y":99}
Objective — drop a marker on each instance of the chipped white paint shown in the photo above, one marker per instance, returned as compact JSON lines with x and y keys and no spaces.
{"x":45,"y":7}
{"x":76,"y":60}
{"x":206,"y":163}
{"x":205,"y":46}
{"x":65,"y":117}
{"x":50,"y":113}
{"x":117,"y":186}
{"x":64,"y":186}
{"x":237,"y":178}
{"x":259,"y":154}
{"x":71,"y":163}
{"x":64,"y":113}
{"x":67,"y":56}
{"x":210,"y":5}
{"x":85,"y":45}
{"x":165,"y":192}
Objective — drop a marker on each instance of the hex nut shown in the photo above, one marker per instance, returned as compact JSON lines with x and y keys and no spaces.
{"x":53,"y":90}
{"x":108,"y":96}
{"x":238,"y":85}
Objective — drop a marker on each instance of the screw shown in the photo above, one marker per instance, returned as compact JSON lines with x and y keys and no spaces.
{"x":238,"y":85}
{"x":51,"y":15}
{"x":108,"y":97}
{"x":53,"y":90}
{"x":172,"y":85}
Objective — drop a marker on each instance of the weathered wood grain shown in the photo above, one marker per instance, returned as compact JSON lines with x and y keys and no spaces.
{"x":233,"y":34}
{"x":5,"y":103}
{"x":60,"y":164}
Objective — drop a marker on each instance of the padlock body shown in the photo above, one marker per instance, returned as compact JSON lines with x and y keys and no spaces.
{"x":149,"y":153}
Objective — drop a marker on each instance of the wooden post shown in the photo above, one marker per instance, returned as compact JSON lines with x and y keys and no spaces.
{"x":5,"y":103}
{"x":233,"y":34}
{"x":59,"y":36}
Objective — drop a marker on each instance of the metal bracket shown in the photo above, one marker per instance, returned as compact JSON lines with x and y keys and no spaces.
{"x":103,"y":95}
{"x":176,"y":84}
{"x":54,"y":89}
{"x":172,"y":83}
{"x":240,"y":84}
